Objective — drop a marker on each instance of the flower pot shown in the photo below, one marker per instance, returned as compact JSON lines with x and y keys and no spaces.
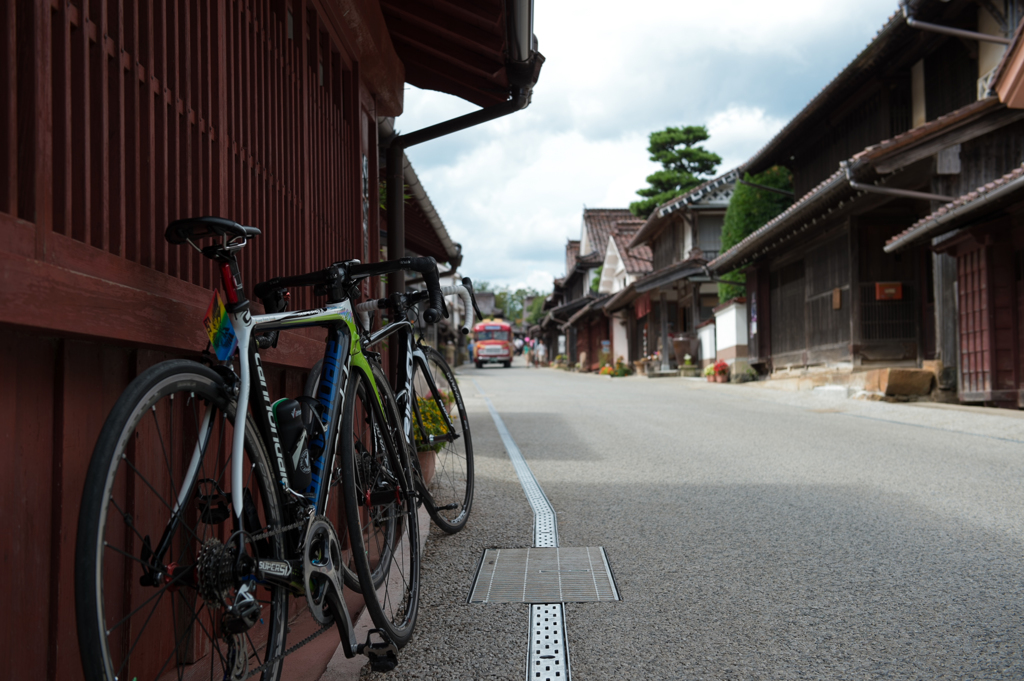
{"x":721,"y":378}
{"x":711,"y":379}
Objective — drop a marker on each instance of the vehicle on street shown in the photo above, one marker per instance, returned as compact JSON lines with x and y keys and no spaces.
{"x":492,"y":343}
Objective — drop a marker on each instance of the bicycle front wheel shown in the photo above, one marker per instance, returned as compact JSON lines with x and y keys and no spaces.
{"x":155,"y":573}
{"x":443,"y":442}
{"x":380,"y":506}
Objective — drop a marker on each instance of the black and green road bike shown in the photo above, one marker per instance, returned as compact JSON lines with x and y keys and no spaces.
{"x":199,"y":523}
{"x":433,"y":413}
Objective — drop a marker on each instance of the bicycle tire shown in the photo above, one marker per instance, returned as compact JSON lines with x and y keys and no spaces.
{"x":378,"y":486}
{"x":448,"y":497}
{"x":124,"y":509}
{"x":347,"y":566}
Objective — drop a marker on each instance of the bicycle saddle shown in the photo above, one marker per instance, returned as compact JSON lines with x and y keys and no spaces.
{"x":193,"y":229}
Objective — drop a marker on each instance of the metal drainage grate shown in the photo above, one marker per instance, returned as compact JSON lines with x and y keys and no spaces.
{"x":549,"y":656}
{"x":544,"y":575}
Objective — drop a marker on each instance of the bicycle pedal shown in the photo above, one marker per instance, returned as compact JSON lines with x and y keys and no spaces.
{"x":383,"y":656}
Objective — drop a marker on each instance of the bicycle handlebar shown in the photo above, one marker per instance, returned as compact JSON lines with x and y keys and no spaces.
{"x":463,"y":292}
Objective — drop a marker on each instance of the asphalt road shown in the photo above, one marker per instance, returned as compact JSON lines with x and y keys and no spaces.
{"x":753,"y":534}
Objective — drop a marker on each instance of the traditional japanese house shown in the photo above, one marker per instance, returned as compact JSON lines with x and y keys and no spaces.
{"x":877,"y":149}
{"x":586,"y":327}
{"x":622,"y":267}
{"x":677,"y":295}
{"x":983,"y":229}
{"x":118,"y":118}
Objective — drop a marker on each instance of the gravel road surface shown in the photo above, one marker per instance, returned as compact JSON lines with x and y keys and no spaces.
{"x":754,"y":534}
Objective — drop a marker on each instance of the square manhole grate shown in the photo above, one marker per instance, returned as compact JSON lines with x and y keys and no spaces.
{"x":544,"y":575}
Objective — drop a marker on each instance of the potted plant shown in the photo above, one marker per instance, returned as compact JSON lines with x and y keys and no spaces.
{"x":433,"y":423}
{"x":721,"y":371}
{"x":709,"y":373}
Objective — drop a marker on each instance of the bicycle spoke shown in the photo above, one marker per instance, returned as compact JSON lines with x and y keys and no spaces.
{"x":139,"y":637}
{"x":156,"y":594}
{"x":162,"y":500}
{"x":160,"y":437}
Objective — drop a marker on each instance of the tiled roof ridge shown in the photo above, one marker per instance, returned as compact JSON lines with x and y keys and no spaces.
{"x":960,"y":202}
{"x":963,"y":113}
{"x":699,"y":188}
{"x":796,"y":206}
{"x":658,"y":211}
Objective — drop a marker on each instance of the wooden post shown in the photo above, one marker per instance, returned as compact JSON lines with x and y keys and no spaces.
{"x":663,"y":313}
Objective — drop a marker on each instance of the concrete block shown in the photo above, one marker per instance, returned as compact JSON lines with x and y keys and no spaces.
{"x":906,"y":382}
{"x":832,"y":391}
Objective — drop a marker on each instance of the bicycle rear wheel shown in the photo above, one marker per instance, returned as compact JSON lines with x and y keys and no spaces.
{"x":380,"y":506}
{"x":446,"y":462}
{"x":154,"y":570}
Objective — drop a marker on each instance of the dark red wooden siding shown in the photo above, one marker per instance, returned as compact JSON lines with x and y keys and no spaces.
{"x":115,"y":118}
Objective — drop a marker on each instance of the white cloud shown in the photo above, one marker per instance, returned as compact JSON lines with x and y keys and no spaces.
{"x":511,"y":191}
{"x":739,"y":131}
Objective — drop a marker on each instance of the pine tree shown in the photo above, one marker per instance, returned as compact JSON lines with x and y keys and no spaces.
{"x":684,"y":166}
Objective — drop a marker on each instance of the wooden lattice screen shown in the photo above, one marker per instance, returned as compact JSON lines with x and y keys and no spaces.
{"x":170,"y":108}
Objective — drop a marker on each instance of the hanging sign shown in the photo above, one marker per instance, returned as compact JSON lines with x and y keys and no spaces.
{"x":888,"y":290}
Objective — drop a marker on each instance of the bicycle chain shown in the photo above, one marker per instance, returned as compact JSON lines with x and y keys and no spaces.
{"x":263,"y":667}
{"x":309,"y":639}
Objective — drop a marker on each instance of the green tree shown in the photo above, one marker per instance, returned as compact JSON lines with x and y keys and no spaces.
{"x":684,"y":166}
{"x":510,"y":302}
{"x":595,"y":283}
{"x":535,"y":312}
{"x":749,"y":209}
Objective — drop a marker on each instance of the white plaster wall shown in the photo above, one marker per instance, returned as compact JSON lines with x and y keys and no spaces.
{"x":732,"y":326}
{"x":706,"y":335}
{"x":620,"y":342}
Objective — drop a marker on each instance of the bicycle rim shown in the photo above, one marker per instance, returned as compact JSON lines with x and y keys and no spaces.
{"x":381,"y":510}
{"x":147,"y":612}
{"x":446,"y":466}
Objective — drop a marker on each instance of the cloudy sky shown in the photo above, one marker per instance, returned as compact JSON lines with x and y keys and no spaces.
{"x":513,"y":190}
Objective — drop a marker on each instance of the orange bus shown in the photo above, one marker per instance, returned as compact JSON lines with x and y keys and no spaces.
{"x":492,"y":343}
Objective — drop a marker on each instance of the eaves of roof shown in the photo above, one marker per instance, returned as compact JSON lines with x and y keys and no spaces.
{"x":686,"y":269}
{"x":962,"y":125}
{"x":659,"y":216}
{"x":888,"y":156}
{"x":592,"y":306}
{"x":569,"y":308}
{"x":835,"y":188}
{"x":967,"y":208}
{"x":621,"y":299}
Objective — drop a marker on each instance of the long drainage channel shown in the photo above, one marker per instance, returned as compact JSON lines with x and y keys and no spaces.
{"x":548,"y":658}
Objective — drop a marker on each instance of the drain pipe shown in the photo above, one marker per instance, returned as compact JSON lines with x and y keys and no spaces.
{"x":890,"y":191}
{"x":395,"y":177}
{"x":949,"y":30}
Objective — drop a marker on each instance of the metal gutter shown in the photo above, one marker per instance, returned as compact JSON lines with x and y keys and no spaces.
{"x":949,"y":30}
{"x":891,"y":191}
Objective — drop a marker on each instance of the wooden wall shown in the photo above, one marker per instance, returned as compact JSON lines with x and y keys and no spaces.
{"x":116,"y":118}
